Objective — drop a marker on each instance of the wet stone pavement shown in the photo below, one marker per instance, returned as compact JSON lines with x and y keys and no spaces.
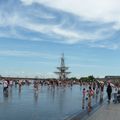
{"x":48,"y":103}
{"x":106,"y":112}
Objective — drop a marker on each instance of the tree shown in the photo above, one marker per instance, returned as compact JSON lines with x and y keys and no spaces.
{"x":88,"y":79}
{"x":91,"y":78}
{"x":83,"y":79}
{"x":73,"y":78}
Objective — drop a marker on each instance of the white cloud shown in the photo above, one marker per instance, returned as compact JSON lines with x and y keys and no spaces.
{"x":10,"y":19}
{"x":112,"y":46}
{"x":75,"y":37}
{"x":17,"y":53}
{"x":87,"y":66}
{"x":68,"y":36}
{"x":94,"y":10}
{"x":57,"y":32}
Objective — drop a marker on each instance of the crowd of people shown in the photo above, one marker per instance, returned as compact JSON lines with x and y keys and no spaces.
{"x":92,"y":89}
{"x":109,"y":89}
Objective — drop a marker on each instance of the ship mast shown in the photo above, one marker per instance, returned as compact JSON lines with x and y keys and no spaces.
{"x":62,"y":70}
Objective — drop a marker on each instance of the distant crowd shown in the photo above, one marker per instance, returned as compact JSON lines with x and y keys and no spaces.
{"x":94,"y":88}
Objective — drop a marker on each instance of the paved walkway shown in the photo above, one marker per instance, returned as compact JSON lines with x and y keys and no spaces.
{"x":106,"y":112}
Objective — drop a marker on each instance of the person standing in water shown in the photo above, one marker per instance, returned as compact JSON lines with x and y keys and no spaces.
{"x":83,"y":98}
{"x":84,"y":92}
{"x":5,"y":85}
{"x":90,"y":94}
{"x":109,"y":92}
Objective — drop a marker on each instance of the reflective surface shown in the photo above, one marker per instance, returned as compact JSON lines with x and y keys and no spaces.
{"x":48,"y":103}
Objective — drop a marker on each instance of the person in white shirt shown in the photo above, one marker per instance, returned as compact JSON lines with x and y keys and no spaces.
{"x":5,"y":85}
{"x":115,"y":95}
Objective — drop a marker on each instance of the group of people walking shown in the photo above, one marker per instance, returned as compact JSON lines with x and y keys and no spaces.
{"x":116,"y":93}
{"x":112,"y":92}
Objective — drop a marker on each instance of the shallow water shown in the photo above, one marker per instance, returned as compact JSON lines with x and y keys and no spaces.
{"x":48,"y":103}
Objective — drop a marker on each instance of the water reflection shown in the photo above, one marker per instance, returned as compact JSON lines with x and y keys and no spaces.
{"x":10,"y":93}
{"x":47,"y":102}
{"x":96,"y":98}
{"x":36,"y":93}
{"x":101,"y":97}
{"x":5,"y":95}
{"x":61,"y":99}
{"x":83,"y":102}
{"x":19,"y":91}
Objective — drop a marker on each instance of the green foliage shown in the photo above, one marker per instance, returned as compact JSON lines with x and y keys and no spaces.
{"x":73,"y":78}
{"x":84,"y":79}
{"x":88,"y":79}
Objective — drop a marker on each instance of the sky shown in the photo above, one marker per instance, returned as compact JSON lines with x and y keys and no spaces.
{"x":35,"y":33}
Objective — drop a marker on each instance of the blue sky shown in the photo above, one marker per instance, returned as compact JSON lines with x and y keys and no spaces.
{"x":34,"y":34}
